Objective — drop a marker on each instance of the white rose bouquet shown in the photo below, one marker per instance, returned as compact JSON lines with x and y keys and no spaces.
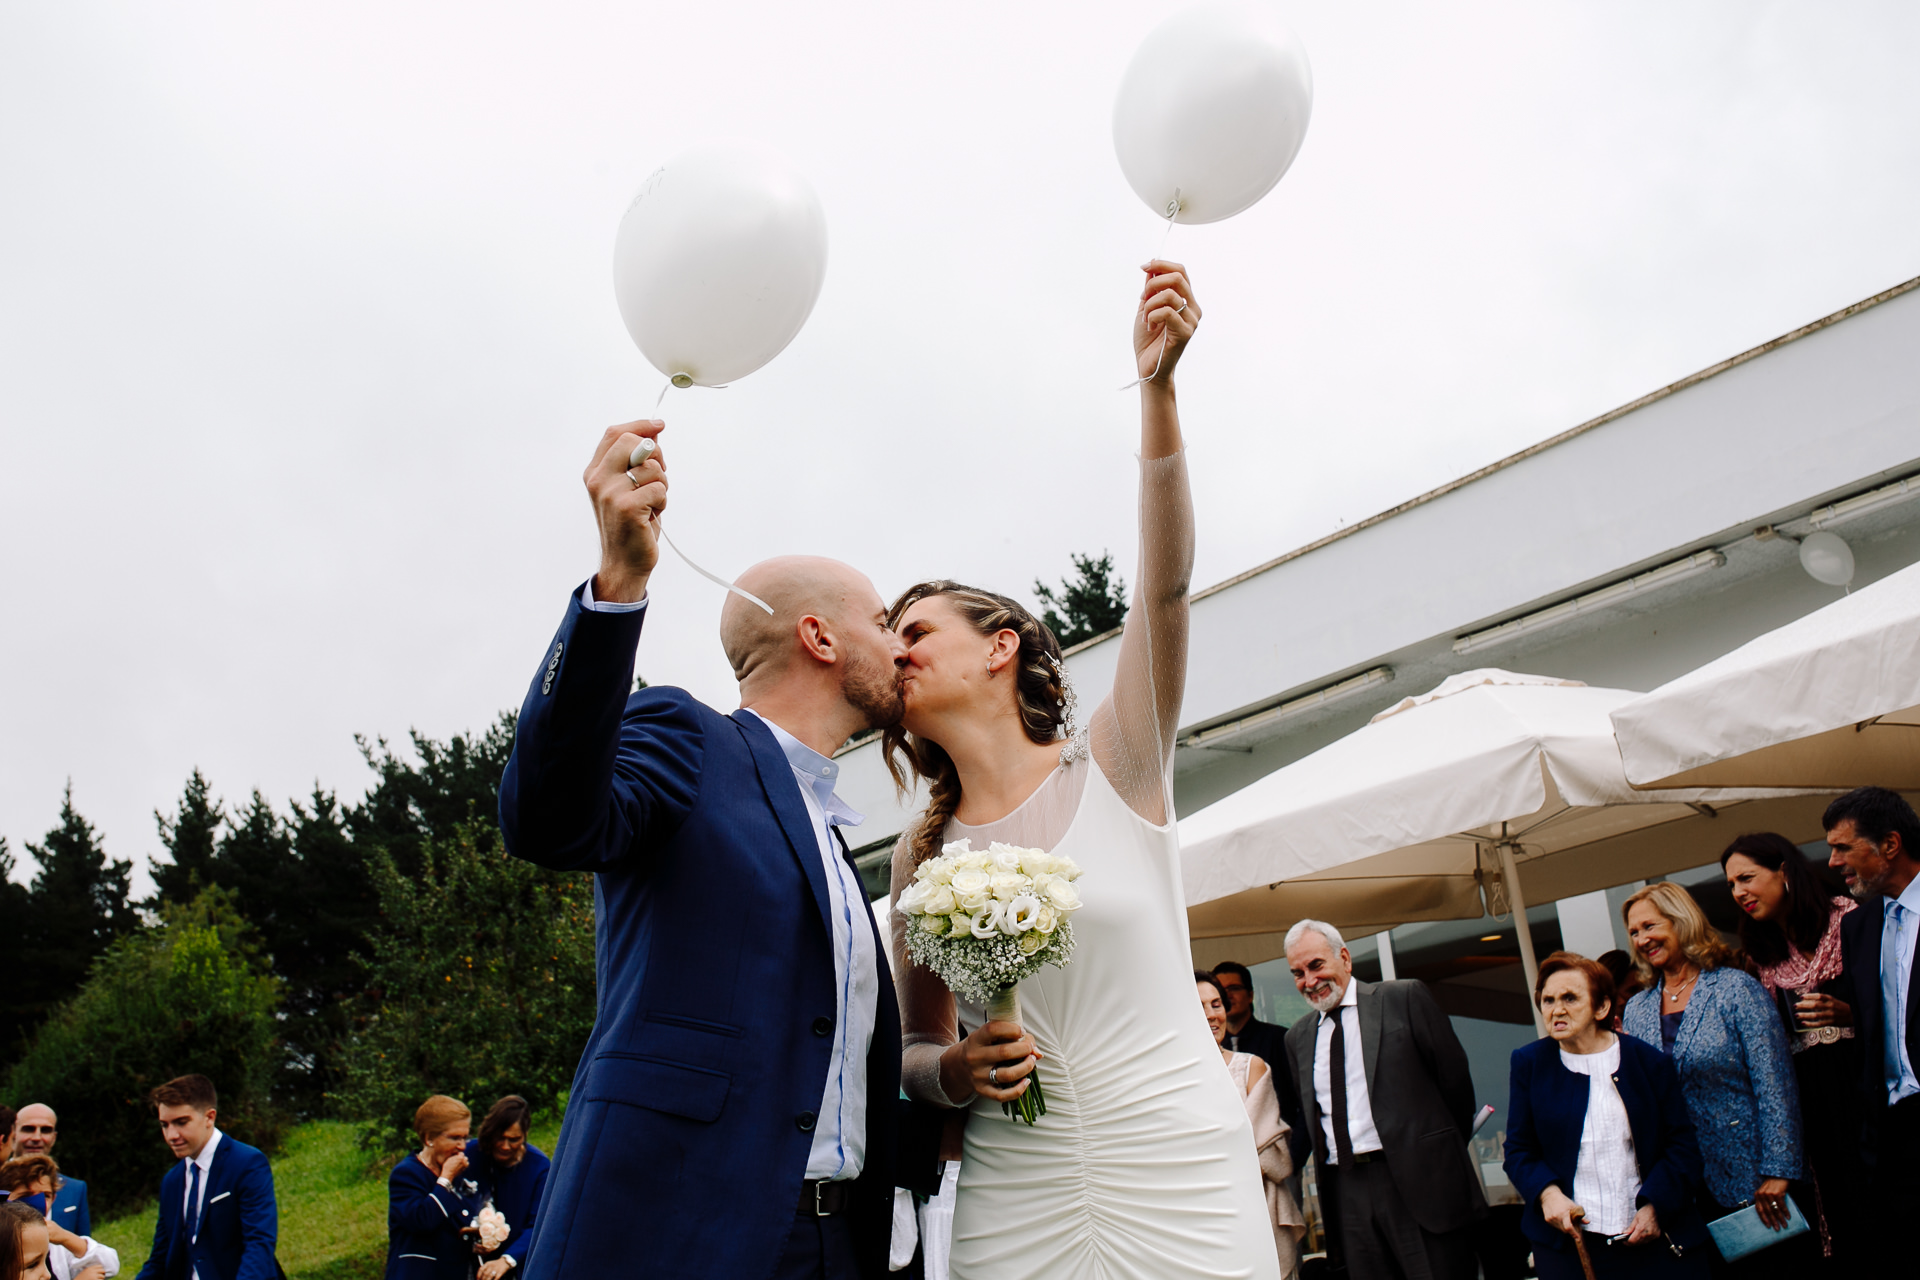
{"x":986,"y":920}
{"x":493,"y":1228}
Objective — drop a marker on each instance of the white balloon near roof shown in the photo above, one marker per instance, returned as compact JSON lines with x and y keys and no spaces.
{"x":1827,"y":558}
{"x":718,"y":263}
{"x":1212,"y":110}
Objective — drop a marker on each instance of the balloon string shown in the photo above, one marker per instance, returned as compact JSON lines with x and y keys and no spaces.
{"x":1173,"y":211}
{"x":660,"y":526}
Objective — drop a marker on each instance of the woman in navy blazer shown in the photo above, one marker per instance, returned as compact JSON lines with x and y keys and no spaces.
{"x":1637,"y":1186}
{"x":431,"y":1200}
{"x":512,"y":1174}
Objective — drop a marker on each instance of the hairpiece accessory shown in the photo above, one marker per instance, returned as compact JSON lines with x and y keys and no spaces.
{"x":1075,"y":747}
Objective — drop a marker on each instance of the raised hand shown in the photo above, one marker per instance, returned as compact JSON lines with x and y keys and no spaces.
{"x":1165,"y":321}
{"x":627,"y":501}
{"x":455,"y":1166}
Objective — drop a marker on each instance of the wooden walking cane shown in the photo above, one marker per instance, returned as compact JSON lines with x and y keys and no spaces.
{"x":1580,"y":1245}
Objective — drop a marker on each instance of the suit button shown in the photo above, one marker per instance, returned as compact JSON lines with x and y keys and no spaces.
{"x":805,"y":1121}
{"x":823,"y":1026}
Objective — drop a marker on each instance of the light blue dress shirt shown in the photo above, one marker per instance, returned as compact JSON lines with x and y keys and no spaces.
{"x":840,"y":1137}
{"x":1899,"y":928}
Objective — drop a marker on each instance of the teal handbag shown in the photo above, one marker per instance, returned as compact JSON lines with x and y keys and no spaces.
{"x":1741,"y":1232}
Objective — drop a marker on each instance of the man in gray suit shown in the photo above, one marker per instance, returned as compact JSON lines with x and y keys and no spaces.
{"x":1385,"y":1091}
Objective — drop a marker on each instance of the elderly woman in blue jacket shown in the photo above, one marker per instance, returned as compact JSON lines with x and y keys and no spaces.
{"x":432,"y":1199}
{"x":1720,"y":1028}
{"x":1599,"y":1142}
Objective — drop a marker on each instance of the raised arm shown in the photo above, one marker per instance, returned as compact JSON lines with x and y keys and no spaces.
{"x":1132,"y":731}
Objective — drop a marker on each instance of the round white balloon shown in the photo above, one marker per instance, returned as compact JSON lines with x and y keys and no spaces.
{"x":1212,"y":110}
{"x":1827,"y":558}
{"x":718,"y":263}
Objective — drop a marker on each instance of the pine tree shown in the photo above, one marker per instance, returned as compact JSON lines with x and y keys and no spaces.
{"x":1090,"y":604}
{"x":190,"y":837}
{"x":77,"y":906}
{"x":15,"y":911}
{"x":456,"y":782}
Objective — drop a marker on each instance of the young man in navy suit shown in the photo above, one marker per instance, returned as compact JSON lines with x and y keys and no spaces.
{"x":732,"y":1115}
{"x":217,"y":1219}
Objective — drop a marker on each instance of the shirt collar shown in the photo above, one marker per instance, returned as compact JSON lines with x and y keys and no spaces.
{"x":1910,"y":900}
{"x":205,"y":1158}
{"x":819,"y":772}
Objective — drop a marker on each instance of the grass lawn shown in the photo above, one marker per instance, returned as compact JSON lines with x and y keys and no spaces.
{"x":333,"y":1206}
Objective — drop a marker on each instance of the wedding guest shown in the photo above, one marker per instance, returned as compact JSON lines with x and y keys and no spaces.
{"x":217,"y":1217}
{"x":1599,"y":1142}
{"x":512,"y":1174}
{"x":1719,"y":1027}
{"x":431,"y":1198}
{"x":1874,"y":840}
{"x":6,"y":1133}
{"x":30,"y":1181}
{"x":1389,"y":1130}
{"x":23,"y":1243}
{"x":1791,"y":935}
{"x":1247,"y":1034}
{"x":35,"y":1129}
{"x":1252,"y":1076}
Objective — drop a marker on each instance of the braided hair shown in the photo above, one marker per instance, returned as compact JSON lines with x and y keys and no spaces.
{"x":1039,"y":692}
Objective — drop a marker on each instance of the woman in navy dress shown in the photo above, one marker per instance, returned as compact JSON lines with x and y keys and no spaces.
{"x":1599,"y":1141}
{"x":431,"y":1198}
{"x":512,"y":1174}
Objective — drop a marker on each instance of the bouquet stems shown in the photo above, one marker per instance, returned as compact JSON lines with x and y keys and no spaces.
{"x":1031,"y":1105}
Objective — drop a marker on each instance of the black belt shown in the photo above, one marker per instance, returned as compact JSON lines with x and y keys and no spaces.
{"x":1367,"y":1157}
{"x":824,"y":1199}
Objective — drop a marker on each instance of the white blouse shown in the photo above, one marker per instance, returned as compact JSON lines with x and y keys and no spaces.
{"x":1606,"y":1178}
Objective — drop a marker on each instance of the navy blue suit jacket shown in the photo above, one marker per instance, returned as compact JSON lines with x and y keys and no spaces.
{"x":1547,"y":1109}
{"x":690,"y":1122}
{"x":239,"y":1220}
{"x":70,"y":1208}
{"x":424,"y":1222}
{"x":1860,"y":933}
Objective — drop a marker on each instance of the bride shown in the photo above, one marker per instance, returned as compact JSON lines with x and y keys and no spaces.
{"x":1143,"y":1166}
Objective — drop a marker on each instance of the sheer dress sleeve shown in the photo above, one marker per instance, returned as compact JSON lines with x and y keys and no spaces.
{"x":929,"y":1020}
{"x":1131,"y":732}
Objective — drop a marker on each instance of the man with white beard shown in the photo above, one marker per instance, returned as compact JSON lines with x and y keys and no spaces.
{"x":1387,"y":1096}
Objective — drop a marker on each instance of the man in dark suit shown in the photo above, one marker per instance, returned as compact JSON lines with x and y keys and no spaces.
{"x":1264,"y":1040}
{"x":217,"y":1219}
{"x":1385,"y":1090}
{"x":733,"y":1112}
{"x":35,"y":1129}
{"x":1873,"y":839}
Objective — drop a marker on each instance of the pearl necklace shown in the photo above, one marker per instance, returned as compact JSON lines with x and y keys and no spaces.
{"x":1673,"y":997}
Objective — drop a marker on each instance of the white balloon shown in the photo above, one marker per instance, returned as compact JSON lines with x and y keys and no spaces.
{"x":1212,"y":110}
{"x":718,"y":263}
{"x":1827,"y":558}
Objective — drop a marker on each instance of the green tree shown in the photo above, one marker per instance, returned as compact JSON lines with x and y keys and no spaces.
{"x":482,"y":984}
{"x":1091,"y":603}
{"x":76,"y":908}
{"x":191,"y":836}
{"x":455,"y":783}
{"x":192,"y":995}
{"x":15,"y":911}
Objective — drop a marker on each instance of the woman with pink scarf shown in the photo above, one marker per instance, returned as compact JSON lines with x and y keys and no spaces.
{"x":1255,"y":1081}
{"x":1791,"y":935}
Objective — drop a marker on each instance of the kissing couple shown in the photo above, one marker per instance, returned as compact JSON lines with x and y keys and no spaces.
{"x":734,"y":1114}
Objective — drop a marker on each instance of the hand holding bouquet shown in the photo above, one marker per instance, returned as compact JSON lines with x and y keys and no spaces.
{"x":985,"y":921}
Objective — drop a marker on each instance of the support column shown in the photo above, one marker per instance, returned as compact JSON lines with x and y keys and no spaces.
{"x":1517,"y":903}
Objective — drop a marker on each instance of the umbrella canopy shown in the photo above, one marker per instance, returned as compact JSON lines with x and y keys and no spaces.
{"x":1831,"y":700}
{"x":1492,"y":791}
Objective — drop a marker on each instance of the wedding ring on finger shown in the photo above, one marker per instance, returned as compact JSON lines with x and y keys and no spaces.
{"x":641,"y":452}
{"x":630,"y":476}
{"x":993,"y":1076}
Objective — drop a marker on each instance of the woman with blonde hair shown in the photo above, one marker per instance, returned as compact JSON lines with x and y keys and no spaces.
{"x":430,"y":1200}
{"x":1718,"y":1025}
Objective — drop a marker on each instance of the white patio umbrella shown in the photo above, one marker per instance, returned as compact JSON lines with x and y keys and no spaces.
{"x":1496,"y":782}
{"x":1830,"y":700}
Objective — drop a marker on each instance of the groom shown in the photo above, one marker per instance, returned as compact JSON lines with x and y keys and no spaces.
{"x":732,"y":1114}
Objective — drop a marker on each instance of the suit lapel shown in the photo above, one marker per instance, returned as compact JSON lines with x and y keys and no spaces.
{"x":783,"y":794}
{"x":1367,"y":1002}
{"x":1310,"y":1094}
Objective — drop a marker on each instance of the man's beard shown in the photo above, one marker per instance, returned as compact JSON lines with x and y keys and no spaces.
{"x":1327,"y":1002}
{"x":874,"y":691}
{"x":1865,"y":886}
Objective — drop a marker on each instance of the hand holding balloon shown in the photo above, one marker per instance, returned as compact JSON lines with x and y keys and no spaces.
{"x":1165,"y":322}
{"x":627,"y":482}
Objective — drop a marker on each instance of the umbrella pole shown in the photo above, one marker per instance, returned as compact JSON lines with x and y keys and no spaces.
{"x":1517,"y":902}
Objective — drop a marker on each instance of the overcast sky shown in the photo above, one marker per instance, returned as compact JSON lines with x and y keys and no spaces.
{"x":307,"y":331}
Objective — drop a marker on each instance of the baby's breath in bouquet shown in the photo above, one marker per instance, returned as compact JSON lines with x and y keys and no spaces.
{"x":985,"y":921}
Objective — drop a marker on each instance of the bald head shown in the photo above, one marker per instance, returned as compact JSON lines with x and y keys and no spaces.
{"x":34,"y":1130}
{"x":762,"y":647}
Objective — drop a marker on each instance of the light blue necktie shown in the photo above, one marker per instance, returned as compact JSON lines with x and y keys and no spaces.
{"x":1893,"y":1007}
{"x":193,"y":1203}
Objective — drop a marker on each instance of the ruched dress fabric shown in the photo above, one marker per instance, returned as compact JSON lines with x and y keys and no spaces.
{"x":1144,"y":1166}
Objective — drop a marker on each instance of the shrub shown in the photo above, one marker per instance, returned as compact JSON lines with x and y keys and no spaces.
{"x":191,"y":995}
{"x":481,"y":984}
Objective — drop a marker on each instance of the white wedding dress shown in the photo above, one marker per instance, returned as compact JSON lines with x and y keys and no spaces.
{"x":1144,"y":1166}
